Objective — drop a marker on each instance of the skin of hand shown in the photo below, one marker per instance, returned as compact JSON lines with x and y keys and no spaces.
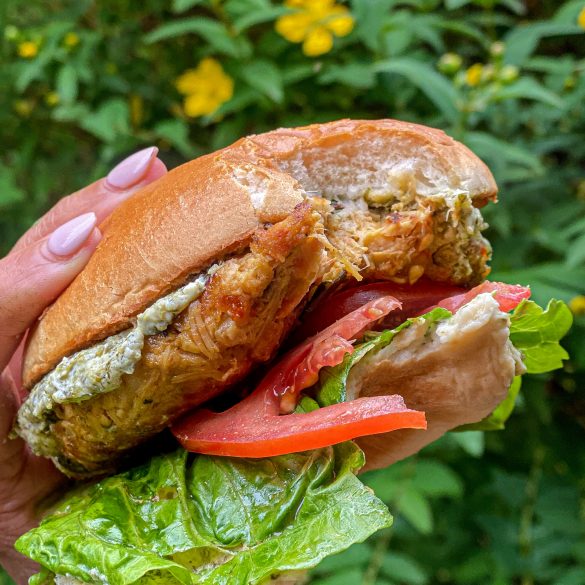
{"x":39,"y":267}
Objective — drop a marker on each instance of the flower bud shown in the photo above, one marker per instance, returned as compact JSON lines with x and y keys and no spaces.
{"x":509,"y":73}
{"x":450,"y":63}
{"x":497,"y":49}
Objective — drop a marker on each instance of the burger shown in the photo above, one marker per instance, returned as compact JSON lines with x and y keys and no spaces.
{"x":299,"y":306}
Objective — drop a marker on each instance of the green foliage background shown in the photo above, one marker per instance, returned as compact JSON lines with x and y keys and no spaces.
{"x":499,"y":508}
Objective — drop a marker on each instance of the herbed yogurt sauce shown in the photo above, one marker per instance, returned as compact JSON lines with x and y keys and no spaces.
{"x":99,"y":368}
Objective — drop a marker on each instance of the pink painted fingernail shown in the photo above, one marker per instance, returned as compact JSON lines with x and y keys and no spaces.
{"x":132,"y":169}
{"x":70,"y":237}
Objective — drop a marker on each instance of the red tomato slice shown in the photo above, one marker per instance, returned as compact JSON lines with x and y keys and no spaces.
{"x":333,"y":305}
{"x":509,"y":296}
{"x":253,"y":428}
{"x":266,"y":436}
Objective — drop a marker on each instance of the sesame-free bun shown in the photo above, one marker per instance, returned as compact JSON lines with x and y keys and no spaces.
{"x":211,"y":206}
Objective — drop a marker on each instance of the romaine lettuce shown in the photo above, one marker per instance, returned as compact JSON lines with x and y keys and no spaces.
{"x":194,"y":519}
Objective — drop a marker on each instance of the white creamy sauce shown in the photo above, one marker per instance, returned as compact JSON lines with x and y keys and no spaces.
{"x":97,"y":369}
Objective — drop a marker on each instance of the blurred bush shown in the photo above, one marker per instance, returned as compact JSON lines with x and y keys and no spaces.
{"x":84,"y":83}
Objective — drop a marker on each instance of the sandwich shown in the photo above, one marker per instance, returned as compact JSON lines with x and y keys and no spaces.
{"x":299,"y":306}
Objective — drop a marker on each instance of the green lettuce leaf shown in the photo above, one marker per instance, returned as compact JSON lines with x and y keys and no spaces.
{"x":193,"y":519}
{"x":333,"y":380}
{"x":536,"y":332}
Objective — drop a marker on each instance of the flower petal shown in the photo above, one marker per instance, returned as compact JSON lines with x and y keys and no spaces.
{"x":318,"y":42}
{"x":200,"y":105}
{"x":340,"y":24}
{"x":294,"y":27}
{"x":188,"y":82}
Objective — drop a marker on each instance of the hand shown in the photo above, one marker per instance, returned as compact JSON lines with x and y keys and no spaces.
{"x":39,"y":267}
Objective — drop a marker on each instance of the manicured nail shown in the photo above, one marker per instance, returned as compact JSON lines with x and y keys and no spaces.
{"x":132,"y":169}
{"x":70,"y":237}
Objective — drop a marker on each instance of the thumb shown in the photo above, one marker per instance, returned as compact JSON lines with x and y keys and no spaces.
{"x":32,"y":277}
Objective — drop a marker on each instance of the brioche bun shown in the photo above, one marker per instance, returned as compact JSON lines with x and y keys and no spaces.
{"x":204,"y":208}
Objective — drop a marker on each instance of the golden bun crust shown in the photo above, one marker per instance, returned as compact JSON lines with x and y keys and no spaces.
{"x":208,"y":207}
{"x":173,"y":228}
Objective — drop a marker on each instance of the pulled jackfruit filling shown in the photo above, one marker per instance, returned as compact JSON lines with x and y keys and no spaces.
{"x":401,"y":241}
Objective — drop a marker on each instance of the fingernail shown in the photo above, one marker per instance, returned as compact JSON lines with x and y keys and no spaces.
{"x":70,"y":237}
{"x":132,"y":169}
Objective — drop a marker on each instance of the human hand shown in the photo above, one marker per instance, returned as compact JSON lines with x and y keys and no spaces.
{"x":39,"y":267}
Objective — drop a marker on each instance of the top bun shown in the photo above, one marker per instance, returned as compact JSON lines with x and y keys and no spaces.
{"x":208,"y":207}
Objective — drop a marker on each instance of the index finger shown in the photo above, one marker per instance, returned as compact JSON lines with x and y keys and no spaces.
{"x":102,"y":197}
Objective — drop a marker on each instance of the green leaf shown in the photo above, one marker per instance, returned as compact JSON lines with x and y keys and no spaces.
{"x":568,"y":12}
{"x":454,"y":4}
{"x":528,"y":88}
{"x":501,"y":152}
{"x":10,"y":193}
{"x":403,"y":569}
{"x":522,"y":41}
{"x":349,"y":577}
{"x":435,"y":86}
{"x":210,"y":520}
{"x":265,"y":77}
{"x":547,"y":280}
{"x":67,"y":84}
{"x":472,"y":442}
{"x":184,"y":5}
{"x":537,"y":332}
{"x":109,"y":122}
{"x":416,"y":509}
{"x":436,"y":480}
{"x":294,"y":73}
{"x":358,"y":75}
{"x":371,"y":18}
{"x":576,"y":253}
{"x":214,"y":32}
{"x":258,"y":16}
{"x":176,"y":132}
{"x":355,"y":556}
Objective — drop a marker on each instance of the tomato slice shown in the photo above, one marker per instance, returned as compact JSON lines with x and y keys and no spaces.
{"x":253,"y":436}
{"x":509,"y":296}
{"x":335,"y":304}
{"x":254,"y":428}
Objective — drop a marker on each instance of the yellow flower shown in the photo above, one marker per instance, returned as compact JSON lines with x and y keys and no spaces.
{"x":473,"y":74}
{"x":581,"y":18}
{"x":52,"y":98}
{"x":28,"y":49}
{"x":205,"y":88}
{"x":71,"y":40}
{"x":314,"y":24}
{"x":577,"y":305}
